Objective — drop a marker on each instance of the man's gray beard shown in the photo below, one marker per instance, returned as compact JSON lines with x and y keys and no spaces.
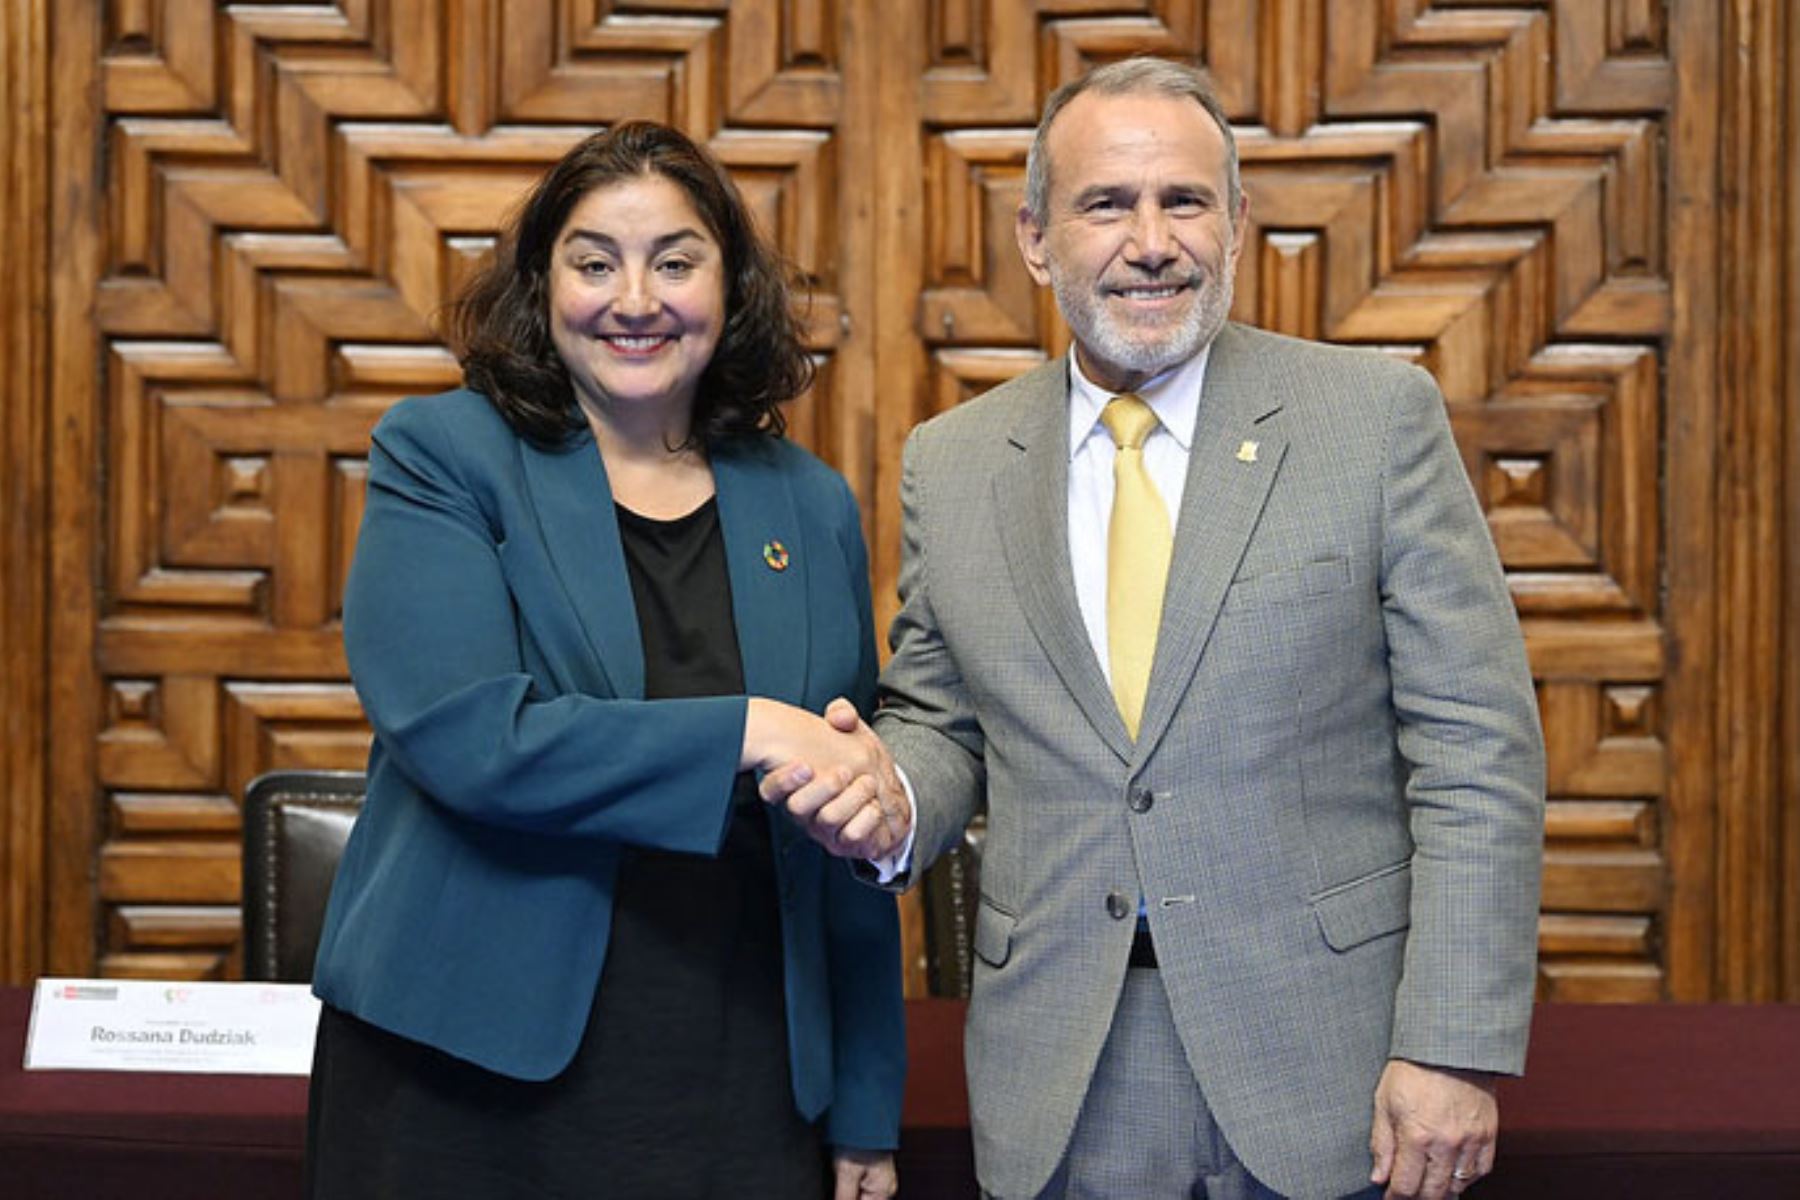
{"x":1108,"y":339}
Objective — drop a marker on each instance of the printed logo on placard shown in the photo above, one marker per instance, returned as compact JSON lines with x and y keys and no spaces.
{"x":77,"y":991}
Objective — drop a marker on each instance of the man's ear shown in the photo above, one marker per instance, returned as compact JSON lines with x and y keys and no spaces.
{"x":1030,"y":235}
{"x":1240,"y":224}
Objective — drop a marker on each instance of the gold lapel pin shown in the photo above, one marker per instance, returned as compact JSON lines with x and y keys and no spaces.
{"x":775,"y":555}
{"x":1247,"y":452}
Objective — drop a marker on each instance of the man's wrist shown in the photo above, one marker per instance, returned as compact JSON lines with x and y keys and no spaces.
{"x":897,"y":863}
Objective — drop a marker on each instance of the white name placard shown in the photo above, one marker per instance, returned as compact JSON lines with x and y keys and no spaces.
{"x":145,"y":1025}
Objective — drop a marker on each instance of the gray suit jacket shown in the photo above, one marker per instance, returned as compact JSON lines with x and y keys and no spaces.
{"x":1335,"y":807}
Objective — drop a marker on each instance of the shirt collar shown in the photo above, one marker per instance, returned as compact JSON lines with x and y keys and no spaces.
{"x":1174,"y":396}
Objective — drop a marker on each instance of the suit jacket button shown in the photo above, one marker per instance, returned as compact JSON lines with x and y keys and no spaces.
{"x":1118,"y":907}
{"x":1140,"y":799}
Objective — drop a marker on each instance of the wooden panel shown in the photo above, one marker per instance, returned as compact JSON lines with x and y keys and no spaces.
{"x":187,"y":871}
{"x":178,"y":941}
{"x":1788,"y":934}
{"x":1476,"y":188}
{"x":73,"y":690}
{"x":25,"y":422}
{"x":1576,"y":214}
{"x":284,"y":199}
{"x":1757,"y":311}
{"x":977,"y":290}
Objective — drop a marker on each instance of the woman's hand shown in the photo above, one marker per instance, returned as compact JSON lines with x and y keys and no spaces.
{"x":831,"y":773}
{"x":864,"y":1174}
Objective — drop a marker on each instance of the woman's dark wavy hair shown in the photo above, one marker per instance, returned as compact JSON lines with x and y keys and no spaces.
{"x":499,"y":323}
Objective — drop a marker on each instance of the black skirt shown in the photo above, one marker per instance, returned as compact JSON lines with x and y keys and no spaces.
{"x":680,"y":1089}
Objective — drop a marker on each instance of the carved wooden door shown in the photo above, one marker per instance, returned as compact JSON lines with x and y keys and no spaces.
{"x":257,"y":209}
{"x":1479,"y":190}
{"x":285,"y":197}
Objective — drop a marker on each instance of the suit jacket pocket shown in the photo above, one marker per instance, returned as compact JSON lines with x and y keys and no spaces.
{"x":1289,"y":584}
{"x":993,"y":933}
{"x":1365,"y":908}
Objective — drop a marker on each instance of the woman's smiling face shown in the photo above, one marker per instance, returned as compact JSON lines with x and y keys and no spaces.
{"x":637,"y":300}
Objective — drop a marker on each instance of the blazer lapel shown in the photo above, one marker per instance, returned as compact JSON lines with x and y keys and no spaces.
{"x":768,"y":562}
{"x":574,"y":508}
{"x":1238,"y":446}
{"x":1031,"y":498}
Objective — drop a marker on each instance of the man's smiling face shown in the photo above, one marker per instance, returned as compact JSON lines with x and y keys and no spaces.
{"x":1138,"y":240}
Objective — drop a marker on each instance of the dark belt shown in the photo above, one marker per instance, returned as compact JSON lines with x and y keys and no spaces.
{"x":1143,"y":950}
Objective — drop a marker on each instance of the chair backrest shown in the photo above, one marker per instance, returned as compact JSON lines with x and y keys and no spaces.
{"x":295,"y":826}
{"x":950,"y":893}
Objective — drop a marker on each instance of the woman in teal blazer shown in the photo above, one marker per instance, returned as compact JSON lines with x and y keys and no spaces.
{"x":529,"y":568}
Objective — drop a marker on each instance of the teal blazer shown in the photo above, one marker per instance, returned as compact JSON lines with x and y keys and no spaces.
{"x":493,"y":642}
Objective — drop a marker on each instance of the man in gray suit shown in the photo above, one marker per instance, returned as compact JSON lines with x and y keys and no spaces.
{"x":1264,"y":781}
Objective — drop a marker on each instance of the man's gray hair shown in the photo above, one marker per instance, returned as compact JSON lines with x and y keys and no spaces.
{"x":1131,"y":76}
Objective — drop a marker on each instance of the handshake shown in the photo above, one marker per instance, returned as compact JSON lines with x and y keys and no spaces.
{"x":831,"y":773}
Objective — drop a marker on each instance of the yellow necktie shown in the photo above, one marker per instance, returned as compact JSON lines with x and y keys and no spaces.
{"x":1138,"y":544}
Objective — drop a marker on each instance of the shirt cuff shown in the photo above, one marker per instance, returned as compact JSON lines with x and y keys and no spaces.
{"x":898,"y":863}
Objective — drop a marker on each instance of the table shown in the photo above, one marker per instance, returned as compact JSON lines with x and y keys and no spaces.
{"x":1654,"y":1103}
{"x":100,"y":1135}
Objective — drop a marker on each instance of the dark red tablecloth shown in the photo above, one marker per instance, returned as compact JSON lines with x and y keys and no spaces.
{"x":1652,"y":1103}
{"x":102,"y":1134}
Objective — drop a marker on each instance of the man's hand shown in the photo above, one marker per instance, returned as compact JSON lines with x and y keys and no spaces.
{"x":853,"y":804}
{"x":864,"y":1174}
{"x":1434,"y":1130}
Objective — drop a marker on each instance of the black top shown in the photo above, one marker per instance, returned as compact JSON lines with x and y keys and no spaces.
{"x":683,"y":594}
{"x":691,"y":1007}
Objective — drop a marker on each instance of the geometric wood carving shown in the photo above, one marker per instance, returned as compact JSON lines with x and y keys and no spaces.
{"x":291,"y":196}
{"x":286,"y":196}
{"x":1477,"y":189}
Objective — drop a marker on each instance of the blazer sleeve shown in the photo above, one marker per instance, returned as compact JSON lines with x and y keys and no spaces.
{"x":431,"y":633}
{"x":862,"y":930}
{"x":926,"y":716}
{"x":1468,"y":730}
